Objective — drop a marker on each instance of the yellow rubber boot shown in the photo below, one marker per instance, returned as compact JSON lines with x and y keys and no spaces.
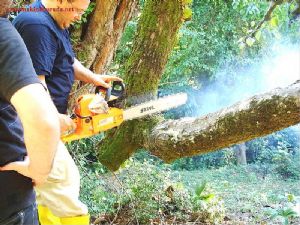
{"x":78,"y":220}
{"x":46,"y":217}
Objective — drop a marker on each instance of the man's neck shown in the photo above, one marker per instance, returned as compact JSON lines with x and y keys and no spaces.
{"x":48,"y":5}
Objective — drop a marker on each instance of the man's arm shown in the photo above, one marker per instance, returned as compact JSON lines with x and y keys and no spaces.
{"x":66,"y":123}
{"x":20,"y":87}
{"x":86,"y":75}
{"x":41,"y":131}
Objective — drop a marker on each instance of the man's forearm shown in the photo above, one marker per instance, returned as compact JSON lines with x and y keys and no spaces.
{"x":83,"y":74}
{"x":39,"y":118}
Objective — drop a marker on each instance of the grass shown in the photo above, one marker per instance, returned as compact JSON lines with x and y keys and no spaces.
{"x":250,"y":197}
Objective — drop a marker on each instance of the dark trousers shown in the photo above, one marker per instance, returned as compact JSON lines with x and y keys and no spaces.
{"x":26,"y":216}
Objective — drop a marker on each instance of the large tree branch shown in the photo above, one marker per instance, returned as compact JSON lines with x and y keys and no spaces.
{"x":246,"y":120}
{"x":105,"y":30}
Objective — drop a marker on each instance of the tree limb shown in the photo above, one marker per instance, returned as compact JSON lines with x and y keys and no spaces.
{"x":246,"y":120}
{"x":267,"y":17}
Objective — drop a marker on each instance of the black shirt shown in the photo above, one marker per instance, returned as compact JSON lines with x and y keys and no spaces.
{"x":16,"y":71}
{"x":50,"y":50}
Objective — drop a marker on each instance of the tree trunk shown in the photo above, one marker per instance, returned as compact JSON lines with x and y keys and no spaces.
{"x":101,"y":38}
{"x":104,"y":32}
{"x":156,"y":36}
{"x":240,"y":151}
{"x":246,"y":120}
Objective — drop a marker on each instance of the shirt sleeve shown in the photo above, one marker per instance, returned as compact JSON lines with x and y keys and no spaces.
{"x":42,"y":46}
{"x":16,"y":70}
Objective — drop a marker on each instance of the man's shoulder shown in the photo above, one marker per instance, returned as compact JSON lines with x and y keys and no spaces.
{"x":9,"y":37}
{"x":5,"y":27}
{"x":31,"y":18}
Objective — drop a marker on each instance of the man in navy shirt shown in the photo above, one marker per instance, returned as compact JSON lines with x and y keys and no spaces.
{"x":47,"y":39}
{"x":21,"y":94}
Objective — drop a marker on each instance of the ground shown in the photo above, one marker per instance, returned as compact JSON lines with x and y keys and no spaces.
{"x":251,"y":195}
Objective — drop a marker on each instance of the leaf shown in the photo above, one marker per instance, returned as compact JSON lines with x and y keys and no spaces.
{"x":187,"y":2}
{"x":286,"y":213}
{"x":187,"y":13}
{"x":290,"y":197}
{"x":207,"y":197}
{"x":258,"y":35}
{"x":250,"y":41}
{"x":200,"y":189}
{"x":274,"y":22}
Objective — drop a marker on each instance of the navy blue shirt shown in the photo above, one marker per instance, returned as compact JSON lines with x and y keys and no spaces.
{"x":16,"y":71}
{"x":50,"y":50}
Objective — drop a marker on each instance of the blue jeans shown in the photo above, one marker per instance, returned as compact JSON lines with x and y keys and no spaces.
{"x":27,"y":216}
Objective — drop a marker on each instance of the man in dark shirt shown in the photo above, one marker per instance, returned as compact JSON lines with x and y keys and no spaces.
{"x":22,"y":93}
{"x":47,"y":39}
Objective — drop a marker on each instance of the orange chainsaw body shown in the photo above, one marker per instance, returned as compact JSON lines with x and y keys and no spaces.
{"x":89,"y":123}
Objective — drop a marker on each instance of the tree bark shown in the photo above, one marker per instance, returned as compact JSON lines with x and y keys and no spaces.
{"x":246,"y":120}
{"x":104,"y":32}
{"x":101,"y":38}
{"x":156,"y":36}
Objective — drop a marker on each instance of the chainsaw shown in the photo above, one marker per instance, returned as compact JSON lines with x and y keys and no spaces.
{"x":95,"y":113}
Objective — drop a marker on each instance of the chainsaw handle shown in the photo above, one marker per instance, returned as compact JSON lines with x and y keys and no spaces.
{"x":117,"y":89}
{"x":106,"y":92}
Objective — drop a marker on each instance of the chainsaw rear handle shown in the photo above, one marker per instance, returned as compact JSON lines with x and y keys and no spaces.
{"x":117,"y":89}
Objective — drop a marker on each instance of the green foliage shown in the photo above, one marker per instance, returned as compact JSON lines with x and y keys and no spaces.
{"x":206,"y":206}
{"x":85,"y":16}
{"x":249,"y":197}
{"x":211,"y":160}
{"x":143,"y":190}
{"x":78,"y":28}
{"x":288,"y":211}
{"x":124,"y":48}
{"x":199,"y":190}
{"x":18,"y":4}
{"x":206,"y":43}
{"x":103,"y":201}
{"x":280,"y":149}
{"x":286,"y":165}
{"x":149,"y":193}
{"x":211,"y":41}
{"x":285,"y":214}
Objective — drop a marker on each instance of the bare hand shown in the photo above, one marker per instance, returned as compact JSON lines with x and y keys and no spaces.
{"x":103,"y":80}
{"x":22,"y":167}
{"x":67,"y":125}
